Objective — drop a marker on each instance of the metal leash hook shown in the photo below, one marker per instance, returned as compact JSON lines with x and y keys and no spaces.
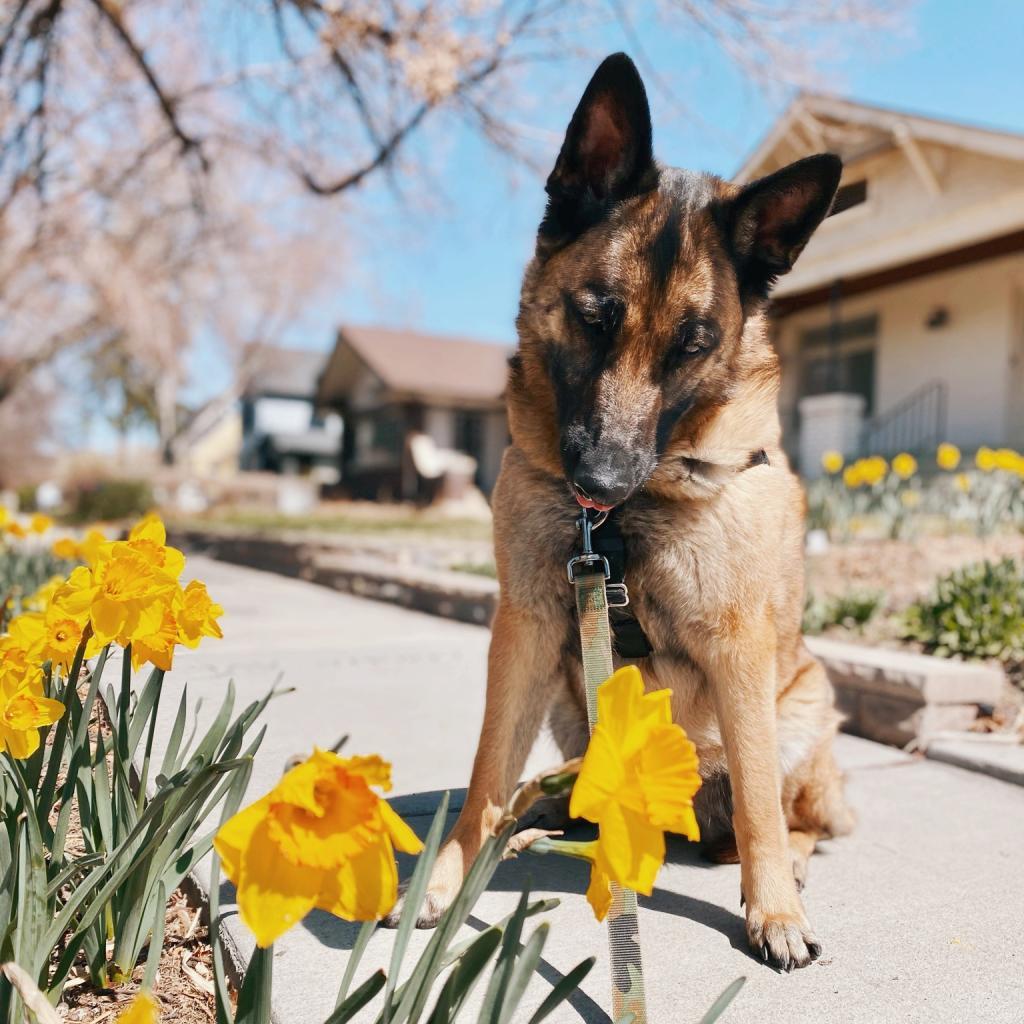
{"x":588,"y":560}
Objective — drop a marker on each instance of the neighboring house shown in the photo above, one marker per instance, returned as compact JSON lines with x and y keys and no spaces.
{"x":210,"y":448}
{"x":282,"y":429}
{"x":903,"y":321}
{"x":391,"y":385}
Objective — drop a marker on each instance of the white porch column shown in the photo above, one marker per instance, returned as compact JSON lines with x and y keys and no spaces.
{"x":829,"y":422}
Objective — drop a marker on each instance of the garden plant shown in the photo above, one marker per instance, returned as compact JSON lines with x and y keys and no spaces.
{"x":97,"y":835}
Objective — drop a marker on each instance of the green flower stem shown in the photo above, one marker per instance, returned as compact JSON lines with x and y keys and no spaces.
{"x":566,"y":847}
{"x":144,"y":776}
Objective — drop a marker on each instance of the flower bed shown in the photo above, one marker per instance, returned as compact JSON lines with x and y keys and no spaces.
{"x":97,"y":837}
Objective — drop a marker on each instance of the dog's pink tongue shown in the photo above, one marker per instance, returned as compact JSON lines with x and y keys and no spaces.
{"x":590,"y":503}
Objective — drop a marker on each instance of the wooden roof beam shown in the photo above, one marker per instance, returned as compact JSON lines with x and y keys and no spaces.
{"x":916,"y":158}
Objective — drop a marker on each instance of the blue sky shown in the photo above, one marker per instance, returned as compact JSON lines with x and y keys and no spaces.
{"x":455,"y":267}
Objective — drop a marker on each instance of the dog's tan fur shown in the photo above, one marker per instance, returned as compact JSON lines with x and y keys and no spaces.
{"x":715,"y":569}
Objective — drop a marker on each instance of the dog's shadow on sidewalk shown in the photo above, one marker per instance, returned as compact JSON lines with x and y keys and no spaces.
{"x":544,"y":876}
{"x":553,"y":874}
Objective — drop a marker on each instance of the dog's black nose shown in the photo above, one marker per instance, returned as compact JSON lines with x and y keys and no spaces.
{"x":605,"y":478}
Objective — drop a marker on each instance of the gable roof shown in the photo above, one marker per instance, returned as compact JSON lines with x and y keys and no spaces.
{"x":418,"y":365}
{"x":284,"y":372}
{"x":814,"y":122}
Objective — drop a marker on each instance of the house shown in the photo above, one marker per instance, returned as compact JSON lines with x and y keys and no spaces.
{"x":399,"y":390}
{"x":902,"y":323}
{"x":282,"y":429}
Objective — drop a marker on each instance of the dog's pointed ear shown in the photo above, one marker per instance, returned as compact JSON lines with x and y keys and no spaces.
{"x":770,"y":221}
{"x":606,"y":156}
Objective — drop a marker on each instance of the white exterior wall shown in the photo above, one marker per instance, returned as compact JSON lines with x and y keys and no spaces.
{"x":282,"y":415}
{"x":978,"y":353}
{"x":440,"y":425}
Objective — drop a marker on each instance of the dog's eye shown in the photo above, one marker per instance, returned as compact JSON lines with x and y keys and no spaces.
{"x":696,"y":336}
{"x":602,"y":314}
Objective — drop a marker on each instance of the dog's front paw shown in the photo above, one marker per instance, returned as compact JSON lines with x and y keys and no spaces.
{"x":784,"y":940}
{"x":442,"y":889}
{"x":431,"y":909}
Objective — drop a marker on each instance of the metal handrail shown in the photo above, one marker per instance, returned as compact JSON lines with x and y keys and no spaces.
{"x":912,"y":424}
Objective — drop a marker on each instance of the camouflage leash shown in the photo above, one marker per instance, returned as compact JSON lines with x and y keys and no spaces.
{"x":588,"y":573}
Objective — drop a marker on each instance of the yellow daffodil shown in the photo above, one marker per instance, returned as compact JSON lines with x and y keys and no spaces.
{"x":963,"y":482}
{"x":40,"y":600}
{"x":65,"y":548}
{"x":904,"y":465}
{"x":852,"y":476}
{"x":1009,"y":461}
{"x":23,"y":642}
{"x":148,"y":539}
{"x":874,"y":470}
{"x":15,"y":529}
{"x":947,"y":456}
{"x":154,"y":641}
{"x":5,"y":516}
{"x":321,"y":838}
{"x":40,"y":523}
{"x":143,"y":1009}
{"x":985,"y":459}
{"x":832,"y":462}
{"x":93,"y":543}
{"x":637,"y":781}
{"x":197,"y":615}
{"x":23,"y":711}
{"x":52,"y":635}
{"x":123,"y":595}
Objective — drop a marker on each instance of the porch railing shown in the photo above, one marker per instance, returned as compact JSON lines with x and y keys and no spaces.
{"x":915,"y":423}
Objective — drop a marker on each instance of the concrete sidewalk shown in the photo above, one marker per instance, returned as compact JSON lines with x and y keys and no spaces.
{"x":920,"y":911}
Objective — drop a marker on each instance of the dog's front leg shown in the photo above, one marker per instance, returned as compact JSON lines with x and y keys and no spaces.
{"x":743,"y":681}
{"x":523,"y":658}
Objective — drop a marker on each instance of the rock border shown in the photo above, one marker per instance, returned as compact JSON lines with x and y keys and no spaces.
{"x":895,"y":697}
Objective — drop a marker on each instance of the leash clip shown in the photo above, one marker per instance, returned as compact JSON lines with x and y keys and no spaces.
{"x":588,"y":560}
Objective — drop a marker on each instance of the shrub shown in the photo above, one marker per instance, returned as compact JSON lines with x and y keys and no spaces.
{"x":851,"y":611}
{"x":112,"y":499}
{"x":24,"y":569}
{"x":974,"y":612}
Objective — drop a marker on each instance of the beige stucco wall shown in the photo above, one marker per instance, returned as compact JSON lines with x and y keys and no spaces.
{"x":978,"y":353}
{"x":979,"y":197}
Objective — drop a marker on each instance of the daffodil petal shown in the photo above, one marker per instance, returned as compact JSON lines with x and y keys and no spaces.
{"x":669,"y":779}
{"x":600,"y":776}
{"x":599,"y":893}
{"x":366,"y":886}
{"x":630,"y":849}
{"x":273,"y":894}
{"x":108,"y":618}
{"x":235,"y":834}
{"x":401,"y":835}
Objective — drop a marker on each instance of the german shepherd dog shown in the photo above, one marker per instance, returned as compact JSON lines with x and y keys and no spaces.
{"x":645,"y":382}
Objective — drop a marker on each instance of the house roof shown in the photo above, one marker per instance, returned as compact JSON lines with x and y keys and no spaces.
{"x":814,"y":122}
{"x":417,"y":365}
{"x":286,"y":372}
{"x":965,"y":194}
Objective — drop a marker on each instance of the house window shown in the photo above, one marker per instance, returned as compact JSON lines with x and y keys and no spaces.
{"x":840,"y":357}
{"x":469,"y":433}
{"x":848,"y":196}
